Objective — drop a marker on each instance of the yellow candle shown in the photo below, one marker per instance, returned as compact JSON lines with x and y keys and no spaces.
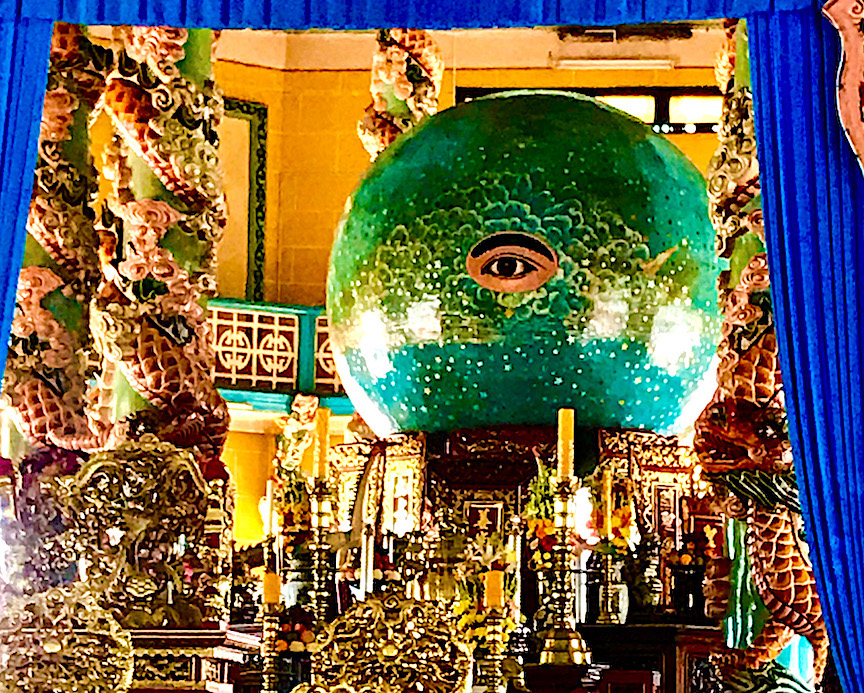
{"x":566,"y":421}
{"x":268,"y":508}
{"x":322,"y":435}
{"x":272,"y":588}
{"x":607,"y":502}
{"x":493,"y":589}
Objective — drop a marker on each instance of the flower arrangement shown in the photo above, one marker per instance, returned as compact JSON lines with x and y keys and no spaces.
{"x":539,"y":521}
{"x":538,"y":518}
{"x":295,"y":633}
{"x":541,"y":542}
{"x":623,"y":535}
{"x":483,"y":554}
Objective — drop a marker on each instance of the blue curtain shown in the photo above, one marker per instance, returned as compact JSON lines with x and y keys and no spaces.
{"x":813,"y":198}
{"x":23,"y":74}
{"x":364,"y":14}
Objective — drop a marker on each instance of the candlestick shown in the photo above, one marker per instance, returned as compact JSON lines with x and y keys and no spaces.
{"x":562,"y":642}
{"x":370,"y":559}
{"x":269,"y":655}
{"x":493,"y":589}
{"x":367,"y":561}
{"x":496,"y":644}
{"x":320,"y":548}
{"x":609,"y":595}
{"x":566,"y":421}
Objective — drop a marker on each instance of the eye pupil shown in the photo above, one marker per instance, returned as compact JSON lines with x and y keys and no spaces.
{"x":507,"y":267}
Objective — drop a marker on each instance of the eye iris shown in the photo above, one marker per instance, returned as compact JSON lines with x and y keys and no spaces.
{"x":509,"y":267}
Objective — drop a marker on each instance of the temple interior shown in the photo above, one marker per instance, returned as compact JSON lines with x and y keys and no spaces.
{"x":401,"y":360}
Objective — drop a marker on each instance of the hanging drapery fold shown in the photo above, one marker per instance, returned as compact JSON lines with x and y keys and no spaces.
{"x":813,"y":197}
{"x":360,"y":14}
{"x":24,"y":48}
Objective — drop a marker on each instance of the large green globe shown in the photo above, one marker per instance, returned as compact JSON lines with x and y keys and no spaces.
{"x":522,"y":253}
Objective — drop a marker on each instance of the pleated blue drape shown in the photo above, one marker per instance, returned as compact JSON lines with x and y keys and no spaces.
{"x":23,"y":73}
{"x":364,"y":14}
{"x":813,"y":198}
{"x":813,"y":194}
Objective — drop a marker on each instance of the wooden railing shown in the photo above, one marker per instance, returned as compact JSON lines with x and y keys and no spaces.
{"x":271,"y":347}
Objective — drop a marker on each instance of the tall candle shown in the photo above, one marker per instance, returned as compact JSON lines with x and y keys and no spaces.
{"x":322,"y":435}
{"x":367,"y":561}
{"x":493,"y":589}
{"x":370,"y":561}
{"x":362,"y":570}
{"x":268,"y":508}
{"x":272,"y":588}
{"x":606,"y":481}
{"x":566,"y":421}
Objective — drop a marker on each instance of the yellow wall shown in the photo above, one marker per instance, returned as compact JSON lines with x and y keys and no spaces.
{"x":247,"y":457}
{"x":314,"y":158}
{"x":699,"y":147}
{"x":232,"y":251}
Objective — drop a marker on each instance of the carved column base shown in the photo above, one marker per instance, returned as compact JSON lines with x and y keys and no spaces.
{"x":189,"y":660}
{"x":563,"y":645}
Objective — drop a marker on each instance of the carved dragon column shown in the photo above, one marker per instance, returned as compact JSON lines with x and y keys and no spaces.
{"x":764,"y":587}
{"x":47,"y":372}
{"x":55,"y":630}
{"x":157,"y":235}
{"x":407,"y":70}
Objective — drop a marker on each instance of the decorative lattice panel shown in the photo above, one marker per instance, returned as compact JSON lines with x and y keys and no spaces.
{"x":255,"y":349}
{"x":326,"y":378}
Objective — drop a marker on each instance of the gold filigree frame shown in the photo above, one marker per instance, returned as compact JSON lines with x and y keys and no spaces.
{"x":391,"y":645}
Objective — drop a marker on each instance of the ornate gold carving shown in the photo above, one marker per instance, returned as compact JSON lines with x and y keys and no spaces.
{"x":62,"y":640}
{"x":165,"y":668}
{"x":389,"y":645}
{"x":656,"y":465}
{"x":399,"y":464}
{"x":137,"y":516}
{"x":348,"y":461}
{"x":402,"y":494}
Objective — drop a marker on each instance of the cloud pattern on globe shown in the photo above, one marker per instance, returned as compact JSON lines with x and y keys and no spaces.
{"x":517,"y":254}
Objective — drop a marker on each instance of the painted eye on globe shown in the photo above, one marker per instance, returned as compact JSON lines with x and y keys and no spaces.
{"x":508,"y":267}
{"x":511,"y":262}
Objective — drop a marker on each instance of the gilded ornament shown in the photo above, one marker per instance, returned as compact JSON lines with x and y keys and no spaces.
{"x":390,"y":644}
{"x":62,"y":640}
